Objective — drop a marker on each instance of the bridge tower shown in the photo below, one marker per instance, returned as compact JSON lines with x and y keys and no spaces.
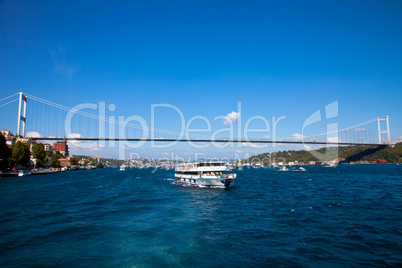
{"x":380,"y":132}
{"x":22,"y":118}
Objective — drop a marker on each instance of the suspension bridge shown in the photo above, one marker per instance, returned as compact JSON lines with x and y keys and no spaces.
{"x":40,"y":119}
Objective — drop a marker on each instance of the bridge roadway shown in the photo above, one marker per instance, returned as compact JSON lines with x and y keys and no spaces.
{"x":205,"y":140}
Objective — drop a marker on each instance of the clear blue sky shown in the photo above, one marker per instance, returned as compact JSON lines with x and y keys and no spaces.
{"x":275,"y":57}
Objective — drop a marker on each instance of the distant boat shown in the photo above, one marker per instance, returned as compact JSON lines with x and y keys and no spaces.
{"x":283,"y":169}
{"x":23,"y":173}
{"x":330,"y":165}
{"x":302,"y":169}
{"x":123,"y":167}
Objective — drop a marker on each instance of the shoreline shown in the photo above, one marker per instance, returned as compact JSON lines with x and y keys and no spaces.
{"x":34,"y":173}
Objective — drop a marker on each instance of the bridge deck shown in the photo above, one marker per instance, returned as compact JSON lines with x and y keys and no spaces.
{"x":205,"y":140}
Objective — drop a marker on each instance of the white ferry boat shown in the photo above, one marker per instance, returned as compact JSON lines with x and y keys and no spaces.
{"x":204,"y":174}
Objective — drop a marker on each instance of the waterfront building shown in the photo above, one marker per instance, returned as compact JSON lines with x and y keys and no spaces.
{"x":33,"y":161}
{"x":47,"y":146}
{"x":7,"y":133}
{"x":61,"y":147}
{"x":27,"y":141}
{"x":64,"y":162}
{"x":10,"y":141}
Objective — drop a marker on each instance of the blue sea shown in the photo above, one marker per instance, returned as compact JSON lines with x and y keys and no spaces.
{"x":347,"y":216}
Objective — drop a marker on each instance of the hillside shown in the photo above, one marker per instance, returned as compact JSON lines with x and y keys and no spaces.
{"x":355,"y":153}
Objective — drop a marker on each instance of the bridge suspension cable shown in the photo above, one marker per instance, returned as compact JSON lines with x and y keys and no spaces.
{"x":104,"y":119}
{"x":4,"y":104}
{"x":9,"y":97}
{"x":8,"y":103}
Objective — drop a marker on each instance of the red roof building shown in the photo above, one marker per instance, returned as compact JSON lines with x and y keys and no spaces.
{"x":64,"y":162}
{"x":61,"y":147}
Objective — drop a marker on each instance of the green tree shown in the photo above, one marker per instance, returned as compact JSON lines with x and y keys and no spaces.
{"x":49,"y":153}
{"x":93,"y":160}
{"x":5,"y":153}
{"x":20,"y":154}
{"x":39,"y":153}
{"x":73,"y":161}
{"x":99,"y":165}
{"x":54,"y":160}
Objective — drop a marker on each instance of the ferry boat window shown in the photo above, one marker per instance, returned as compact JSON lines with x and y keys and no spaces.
{"x":188,"y":172}
{"x":212,"y":164}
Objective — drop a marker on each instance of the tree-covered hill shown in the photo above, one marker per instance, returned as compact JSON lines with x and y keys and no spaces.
{"x":370,"y":153}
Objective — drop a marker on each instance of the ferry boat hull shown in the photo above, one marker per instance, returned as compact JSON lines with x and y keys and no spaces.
{"x":219,"y":182}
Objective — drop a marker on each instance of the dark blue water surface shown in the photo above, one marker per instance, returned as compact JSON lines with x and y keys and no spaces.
{"x":333,"y":217}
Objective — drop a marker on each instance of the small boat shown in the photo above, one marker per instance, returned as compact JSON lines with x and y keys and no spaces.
{"x":283,"y":169}
{"x":302,"y":169}
{"x":23,"y":173}
{"x":123,"y":167}
{"x":204,"y":174}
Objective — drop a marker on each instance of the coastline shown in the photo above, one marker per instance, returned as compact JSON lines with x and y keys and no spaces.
{"x":36,"y":172}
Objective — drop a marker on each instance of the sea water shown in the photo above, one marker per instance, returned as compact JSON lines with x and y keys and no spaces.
{"x":334,"y":217}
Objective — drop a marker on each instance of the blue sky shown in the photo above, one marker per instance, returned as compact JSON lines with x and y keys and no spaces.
{"x":275,"y":57}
